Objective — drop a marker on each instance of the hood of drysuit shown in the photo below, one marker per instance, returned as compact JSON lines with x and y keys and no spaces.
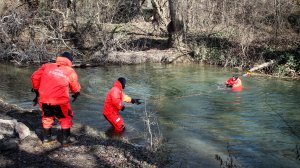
{"x":63,"y":61}
{"x":118,"y":84}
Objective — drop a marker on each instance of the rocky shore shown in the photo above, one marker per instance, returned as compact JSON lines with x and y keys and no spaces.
{"x":21,"y":146}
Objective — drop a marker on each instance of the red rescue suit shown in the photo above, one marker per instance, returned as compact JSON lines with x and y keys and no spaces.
{"x":53,"y":81}
{"x":112,"y":105}
{"x":235,"y":84}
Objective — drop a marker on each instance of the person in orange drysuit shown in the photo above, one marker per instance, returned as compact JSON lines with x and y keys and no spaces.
{"x":234,"y":83}
{"x":114,"y":102}
{"x":51,"y":83}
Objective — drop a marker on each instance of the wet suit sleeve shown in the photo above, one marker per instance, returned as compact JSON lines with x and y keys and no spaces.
{"x":36,"y":77}
{"x":126,"y":98}
{"x":74,"y":84}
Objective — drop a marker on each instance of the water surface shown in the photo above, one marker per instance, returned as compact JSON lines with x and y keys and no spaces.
{"x":198,"y":119}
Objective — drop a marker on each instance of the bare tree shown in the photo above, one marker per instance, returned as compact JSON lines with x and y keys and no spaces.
{"x":223,"y":32}
{"x":176,"y":25}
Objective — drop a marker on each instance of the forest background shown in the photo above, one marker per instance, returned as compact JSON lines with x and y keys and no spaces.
{"x":229,"y":33}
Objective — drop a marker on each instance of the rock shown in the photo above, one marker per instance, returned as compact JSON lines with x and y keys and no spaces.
{"x":7,"y":127}
{"x":22,"y":130}
{"x":9,"y":144}
{"x":31,"y":144}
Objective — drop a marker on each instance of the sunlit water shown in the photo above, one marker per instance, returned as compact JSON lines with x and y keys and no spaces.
{"x":198,"y":119}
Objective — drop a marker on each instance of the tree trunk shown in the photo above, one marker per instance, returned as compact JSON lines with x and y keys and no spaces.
{"x":176,"y":25}
{"x":160,"y":14}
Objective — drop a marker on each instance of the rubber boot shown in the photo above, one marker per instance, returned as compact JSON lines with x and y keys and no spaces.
{"x":47,"y":136}
{"x":66,"y":137}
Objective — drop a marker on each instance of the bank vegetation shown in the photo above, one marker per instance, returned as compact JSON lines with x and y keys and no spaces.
{"x":229,"y":33}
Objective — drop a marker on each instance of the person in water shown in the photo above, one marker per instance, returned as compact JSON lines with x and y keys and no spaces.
{"x":51,"y":83}
{"x":114,"y":103}
{"x":234,"y":82}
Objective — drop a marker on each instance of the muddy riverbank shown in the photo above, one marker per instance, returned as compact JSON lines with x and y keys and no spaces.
{"x":91,"y":148}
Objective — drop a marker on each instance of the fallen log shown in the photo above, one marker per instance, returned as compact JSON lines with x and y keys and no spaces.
{"x":266,"y":64}
{"x":84,"y":65}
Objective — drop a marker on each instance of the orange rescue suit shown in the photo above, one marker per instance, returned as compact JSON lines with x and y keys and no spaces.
{"x":53,"y":80}
{"x":112,"y":105}
{"x":235,"y":84}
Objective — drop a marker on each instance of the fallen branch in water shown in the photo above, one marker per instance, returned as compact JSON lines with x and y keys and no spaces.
{"x":84,"y":65}
{"x":266,"y":64}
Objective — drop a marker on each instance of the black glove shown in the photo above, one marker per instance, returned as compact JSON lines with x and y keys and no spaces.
{"x":227,"y":85}
{"x":123,"y":107}
{"x":136,"y":101}
{"x":75,"y":95}
{"x":35,"y":100}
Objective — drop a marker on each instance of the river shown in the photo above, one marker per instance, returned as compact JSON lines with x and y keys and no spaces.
{"x":198,"y":119}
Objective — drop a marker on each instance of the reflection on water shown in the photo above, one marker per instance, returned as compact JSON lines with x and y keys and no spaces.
{"x":258,"y":127}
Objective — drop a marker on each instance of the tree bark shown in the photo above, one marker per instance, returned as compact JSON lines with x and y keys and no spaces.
{"x":176,"y":26}
{"x":160,"y":14}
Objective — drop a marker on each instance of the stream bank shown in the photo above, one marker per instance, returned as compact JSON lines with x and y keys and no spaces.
{"x":91,"y":148}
